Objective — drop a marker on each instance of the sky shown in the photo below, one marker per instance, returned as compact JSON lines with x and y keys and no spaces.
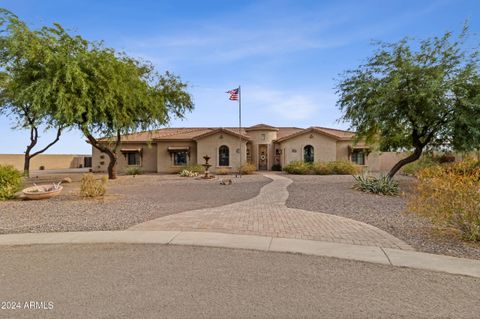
{"x":286,"y":55}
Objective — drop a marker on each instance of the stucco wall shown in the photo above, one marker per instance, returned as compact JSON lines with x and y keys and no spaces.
{"x":165,"y":160}
{"x":209,"y":146}
{"x":342,"y":150}
{"x":260,"y":137}
{"x":383,"y":161}
{"x":325,"y":148}
{"x":48,"y":161}
{"x":148,"y":162}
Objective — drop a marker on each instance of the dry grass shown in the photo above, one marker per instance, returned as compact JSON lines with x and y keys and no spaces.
{"x":92,"y":187}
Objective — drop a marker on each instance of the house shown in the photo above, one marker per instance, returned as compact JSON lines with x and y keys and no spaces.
{"x":167,"y":150}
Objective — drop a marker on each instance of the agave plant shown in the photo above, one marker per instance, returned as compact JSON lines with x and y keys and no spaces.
{"x":377,"y":185}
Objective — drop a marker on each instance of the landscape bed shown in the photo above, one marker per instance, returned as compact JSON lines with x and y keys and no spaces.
{"x":334,"y":195}
{"x":129,"y":201}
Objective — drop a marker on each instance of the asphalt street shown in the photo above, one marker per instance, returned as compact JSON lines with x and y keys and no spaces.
{"x":159,"y":281}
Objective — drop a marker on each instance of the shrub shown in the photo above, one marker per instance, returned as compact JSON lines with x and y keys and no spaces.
{"x":195,"y":168}
{"x":377,"y":185}
{"x":421,"y":163}
{"x":321,"y":168}
{"x":134,"y":171}
{"x":276,"y":167}
{"x":187,"y":173}
{"x":247,"y":169}
{"x":222,"y":171}
{"x":446,"y":158}
{"x":91,"y":187}
{"x":449,"y":195}
{"x":343,"y":168}
{"x":10,"y":181}
{"x":299,"y":168}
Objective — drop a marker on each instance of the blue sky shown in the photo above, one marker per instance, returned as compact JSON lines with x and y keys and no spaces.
{"x":286,"y":55}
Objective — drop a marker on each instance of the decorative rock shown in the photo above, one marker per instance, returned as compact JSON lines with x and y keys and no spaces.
{"x":225,"y":181}
{"x":66,"y":180}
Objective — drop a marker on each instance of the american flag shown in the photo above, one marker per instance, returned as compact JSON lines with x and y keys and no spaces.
{"x":233,"y":94}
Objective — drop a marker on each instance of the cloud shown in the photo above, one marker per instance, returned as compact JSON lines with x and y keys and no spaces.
{"x":290,"y":105}
{"x":263,"y":33}
{"x":260,"y":30}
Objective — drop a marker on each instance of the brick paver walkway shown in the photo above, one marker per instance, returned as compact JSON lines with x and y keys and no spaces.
{"x":267,"y":215}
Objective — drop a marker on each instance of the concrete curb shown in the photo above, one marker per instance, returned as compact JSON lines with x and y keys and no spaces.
{"x":379,"y":255}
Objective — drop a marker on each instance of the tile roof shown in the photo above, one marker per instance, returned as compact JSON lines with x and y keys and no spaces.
{"x":334,"y":133}
{"x":190,"y":133}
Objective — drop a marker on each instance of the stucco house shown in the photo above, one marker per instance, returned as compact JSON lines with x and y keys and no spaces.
{"x":166,"y":150}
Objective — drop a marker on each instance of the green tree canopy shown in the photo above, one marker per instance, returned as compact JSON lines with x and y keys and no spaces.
{"x":121,"y":95}
{"x":408,"y":96}
{"x":35,"y":67}
{"x":51,"y":77}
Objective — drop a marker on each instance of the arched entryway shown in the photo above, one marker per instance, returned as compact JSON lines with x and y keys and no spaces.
{"x":223,"y":156}
{"x":308,"y":154}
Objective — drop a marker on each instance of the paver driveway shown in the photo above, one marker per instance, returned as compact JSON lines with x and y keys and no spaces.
{"x":267,"y":215}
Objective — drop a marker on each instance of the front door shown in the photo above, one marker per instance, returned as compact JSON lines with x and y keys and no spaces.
{"x":262,"y":157}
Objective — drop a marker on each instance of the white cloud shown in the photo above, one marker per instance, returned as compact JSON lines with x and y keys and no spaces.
{"x":257,"y":30}
{"x":225,"y":40}
{"x":289,"y":105}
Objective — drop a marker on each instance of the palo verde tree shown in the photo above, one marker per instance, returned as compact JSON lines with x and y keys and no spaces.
{"x":65,"y":81}
{"x":120,"y":95}
{"x":36,"y":71}
{"x":412,"y":96}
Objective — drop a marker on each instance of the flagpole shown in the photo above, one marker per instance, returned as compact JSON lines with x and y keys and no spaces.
{"x":240,"y":127}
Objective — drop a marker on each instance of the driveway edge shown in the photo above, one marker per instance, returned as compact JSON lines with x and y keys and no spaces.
{"x":378,"y":255}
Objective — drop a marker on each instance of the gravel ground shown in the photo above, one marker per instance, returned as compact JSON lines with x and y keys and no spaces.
{"x":334,"y":195}
{"x":129,"y":201}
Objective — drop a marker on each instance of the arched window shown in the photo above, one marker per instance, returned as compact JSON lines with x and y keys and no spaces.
{"x":223,"y":156}
{"x":308,"y":154}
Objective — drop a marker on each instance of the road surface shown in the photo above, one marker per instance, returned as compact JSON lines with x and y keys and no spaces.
{"x":158,"y":281}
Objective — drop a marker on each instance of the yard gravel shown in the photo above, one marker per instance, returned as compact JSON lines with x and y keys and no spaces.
{"x":334,"y":195}
{"x":129,"y":201}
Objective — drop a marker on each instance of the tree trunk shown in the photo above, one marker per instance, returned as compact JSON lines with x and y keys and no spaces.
{"x":26,"y":165}
{"x":409,"y":159}
{"x":112,"y":154}
{"x":112,"y":166}
{"x":33,"y":142}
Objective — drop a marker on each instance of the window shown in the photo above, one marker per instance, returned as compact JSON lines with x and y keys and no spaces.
{"x":223,"y":156}
{"x":133,"y":158}
{"x":180,"y":158}
{"x":358,"y":157}
{"x":308,"y":154}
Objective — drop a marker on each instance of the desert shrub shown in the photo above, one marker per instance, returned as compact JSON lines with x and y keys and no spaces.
{"x":276,"y":167}
{"x":343,"y":168}
{"x":187,"y":173}
{"x":247,"y":169}
{"x":91,"y":187}
{"x":449,"y":195}
{"x":11,"y":181}
{"x":195,"y":168}
{"x":377,"y":185}
{"x":298,"y":168}
{"x":321,"y":168}
{"x":446,"y":158}
{"x":134,"y":171}
{"x":421,"y":163}
{"x":222,"y":171}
